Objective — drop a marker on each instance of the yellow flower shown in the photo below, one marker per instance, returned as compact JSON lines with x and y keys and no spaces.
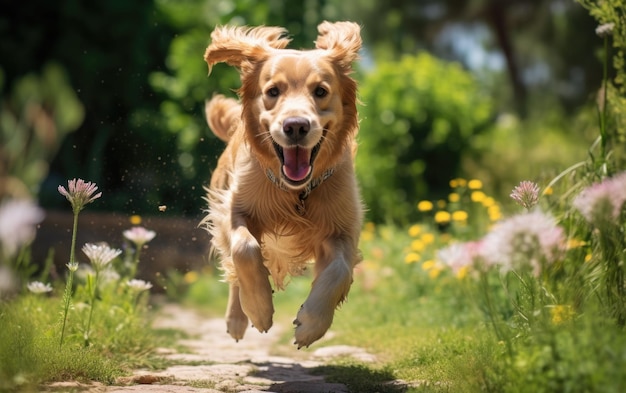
{"x":588,"y":257}
{"x":386,"y":233}
{"x":462,"y":272}
{"x":458,"y":182}
{"x":548,"y":191}
{"x":454,"y":197}
{"x":475,"y":184}
{"x":561,"y":313}
{"x":411,"y":257}
{"x":369,"y":226}
{"x":418,"y":245}
{"x":494,"y":213}
{"x":367,"y":236}
{"x":441,"y":203}
{"x":428,"y":238}
{"x":434,"y":272}
{"x":459,"y":216}
{"x":575,"y":243}
{"x":425,"y":206}
{"x":427,"y":265}
{"x":478,"y":196}
{"x":135,"y":219}
{"x":190,"y":277}
{"x":488,"y":202}
{"x":442,"y":217}
{"x":415,"y":230}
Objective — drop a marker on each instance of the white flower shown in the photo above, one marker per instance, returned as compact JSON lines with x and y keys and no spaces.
{"x":109,"y":275}
{"x":72,"y":266}
{"x":138,"y":285}
{"x":100,"y":254}
{"x":139,"y":235}
{"x":18,"y":221}
{"x":605,"y":29}
{"x":39,"y":287}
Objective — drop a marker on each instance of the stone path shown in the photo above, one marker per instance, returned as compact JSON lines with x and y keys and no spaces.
{"x":213,"y":362}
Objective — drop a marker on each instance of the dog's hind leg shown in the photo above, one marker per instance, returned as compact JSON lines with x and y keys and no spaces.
{"x":236,"y":319}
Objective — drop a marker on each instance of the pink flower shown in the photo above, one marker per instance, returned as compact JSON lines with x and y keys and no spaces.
{"x":460,"y":256}
{"x":139,"y":235}
{"x":526,"y":194}
{"x":602,"y":201}
{"x":524,"y":240}
{"x":80,"y":193}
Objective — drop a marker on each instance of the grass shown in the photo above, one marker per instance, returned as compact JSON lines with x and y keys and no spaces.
{"x":30,"y":351}
{"x":470,"y":330}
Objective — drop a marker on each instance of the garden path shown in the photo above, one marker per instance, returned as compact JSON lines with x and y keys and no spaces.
{"x":211,"y":361}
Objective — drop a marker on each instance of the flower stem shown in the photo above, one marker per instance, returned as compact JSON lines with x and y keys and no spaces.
{"x":133,"y":268}
{"x":94,"y":287}
{"x":67,"y":294}
{"x":603,"y":109}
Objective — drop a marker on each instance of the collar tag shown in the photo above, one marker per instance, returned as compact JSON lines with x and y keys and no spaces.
{"x":313,"y":184}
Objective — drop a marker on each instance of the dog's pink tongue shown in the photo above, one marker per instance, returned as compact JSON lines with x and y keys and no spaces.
{"x":296,"y":163}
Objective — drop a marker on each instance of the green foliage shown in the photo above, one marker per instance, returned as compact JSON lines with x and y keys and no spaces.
{"x":545,"y":142}
{"x":35,"y":115}
{"x":419,"y":114}
{"x":610,"y":15}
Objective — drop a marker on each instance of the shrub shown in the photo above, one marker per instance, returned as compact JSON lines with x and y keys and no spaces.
{"x":419,"y":114}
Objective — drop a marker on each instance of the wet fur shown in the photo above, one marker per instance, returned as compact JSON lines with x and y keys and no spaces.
{"x":256,"y":229}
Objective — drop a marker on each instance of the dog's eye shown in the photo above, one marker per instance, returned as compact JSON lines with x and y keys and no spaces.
{"x":273,"y":92}
{"x":320,"y":92}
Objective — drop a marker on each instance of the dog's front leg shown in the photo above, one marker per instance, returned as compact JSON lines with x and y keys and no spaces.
{"x":335,"y":259}
{"x":255,"y":291}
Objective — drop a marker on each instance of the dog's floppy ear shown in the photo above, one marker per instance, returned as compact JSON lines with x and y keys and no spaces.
{"x":239,"y":45}
{"x":342,"y":40}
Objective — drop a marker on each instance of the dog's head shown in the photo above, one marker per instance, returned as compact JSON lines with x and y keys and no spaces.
{"x":299,"y":107}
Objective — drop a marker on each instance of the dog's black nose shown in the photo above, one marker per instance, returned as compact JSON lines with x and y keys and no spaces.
{"x":296,"y":127}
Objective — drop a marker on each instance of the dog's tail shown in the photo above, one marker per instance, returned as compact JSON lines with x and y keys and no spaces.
{"x":223,"y":115}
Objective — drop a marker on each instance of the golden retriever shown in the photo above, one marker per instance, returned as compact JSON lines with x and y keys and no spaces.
{"x":284,"y":191}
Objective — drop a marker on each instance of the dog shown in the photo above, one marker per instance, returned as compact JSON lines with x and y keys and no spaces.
{"x":284,"y":192}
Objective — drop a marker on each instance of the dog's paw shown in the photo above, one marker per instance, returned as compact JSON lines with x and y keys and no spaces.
{"x":236,"y":326}
{"x":311,"y":326}
{"x":258,"y":307}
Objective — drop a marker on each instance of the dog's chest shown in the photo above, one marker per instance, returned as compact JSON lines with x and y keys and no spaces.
{"x":285,"y":256}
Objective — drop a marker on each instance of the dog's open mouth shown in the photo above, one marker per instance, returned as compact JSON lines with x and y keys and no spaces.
{"x":297,"y":162}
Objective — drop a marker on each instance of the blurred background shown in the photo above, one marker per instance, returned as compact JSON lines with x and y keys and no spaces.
{"x":113,"y":92}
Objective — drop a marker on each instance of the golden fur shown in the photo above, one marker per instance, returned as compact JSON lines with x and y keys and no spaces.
{"x":284,"y":191}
